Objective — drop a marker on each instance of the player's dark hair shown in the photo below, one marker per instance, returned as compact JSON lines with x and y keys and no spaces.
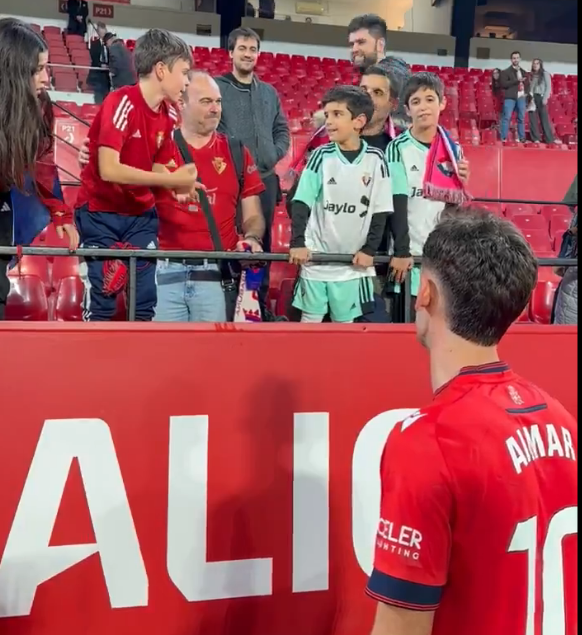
{"x":394,"y":78}
{"x":372,"y":22}
{"x":486,"y":269}
{"x":515,"y":53}
{"x":424,"y":81}
{"x":243,"y":33}
{"x":159,"y":45}
{"x":23,"y":129}
{"x":356,"y":100}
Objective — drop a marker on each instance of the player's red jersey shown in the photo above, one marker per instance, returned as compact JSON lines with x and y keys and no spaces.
{"x":184,"y":226}
{"x":479,"y":516}
{"x":142,"y":137}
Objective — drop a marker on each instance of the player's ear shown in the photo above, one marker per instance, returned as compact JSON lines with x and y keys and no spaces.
{"x":425,"y":291}
{"x":361,"y":121}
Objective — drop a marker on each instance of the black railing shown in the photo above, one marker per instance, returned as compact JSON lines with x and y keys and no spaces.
{"x":132,"y":255}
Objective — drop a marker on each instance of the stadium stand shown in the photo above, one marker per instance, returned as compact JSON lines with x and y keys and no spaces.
{"x":44,"y":289}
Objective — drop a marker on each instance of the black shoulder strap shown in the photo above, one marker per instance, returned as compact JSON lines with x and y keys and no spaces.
{"x":237,"y":153}
{"x":204,"y":202}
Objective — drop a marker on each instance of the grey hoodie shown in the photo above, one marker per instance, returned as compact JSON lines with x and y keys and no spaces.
{"x":252,"y":113}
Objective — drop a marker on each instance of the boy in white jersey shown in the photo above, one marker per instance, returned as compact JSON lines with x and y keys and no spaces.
{"x":340,"y":207}
{"x":424,"y":99}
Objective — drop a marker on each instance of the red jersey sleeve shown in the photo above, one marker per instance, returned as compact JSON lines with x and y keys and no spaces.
{"x":46,"y":174}
{"x":252,"y":184}
{"x":117,"y":112}
{"x":413,"y":541}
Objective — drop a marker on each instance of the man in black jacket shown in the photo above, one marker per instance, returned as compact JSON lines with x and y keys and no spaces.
{"x":121,"y":66}
{"x":98,"y":80}
{"x":78,"y":11}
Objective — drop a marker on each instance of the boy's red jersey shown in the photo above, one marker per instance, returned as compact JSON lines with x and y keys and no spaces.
{"x":142,"y":137}
{"x":479,"y":512}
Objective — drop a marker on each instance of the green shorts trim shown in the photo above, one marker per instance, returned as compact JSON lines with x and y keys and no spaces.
{"x":344,"y":300}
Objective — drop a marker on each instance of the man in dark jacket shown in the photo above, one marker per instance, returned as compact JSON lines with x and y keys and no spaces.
{"x":98,"y":80}
{"x":251,"y":112}
{"x":121,"y":66}
{"x":78,"y":11}
{"x":515,"y":85}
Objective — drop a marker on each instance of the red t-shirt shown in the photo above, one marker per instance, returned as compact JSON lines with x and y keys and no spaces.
{"x":184,"y":226}
{"x":479,"y":510}
{"x":142,"y":137}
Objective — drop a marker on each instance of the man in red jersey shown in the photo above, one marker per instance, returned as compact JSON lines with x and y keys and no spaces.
{"x":191,"y":290}
{"x":130,"y":141}
{"x":478,"y":528}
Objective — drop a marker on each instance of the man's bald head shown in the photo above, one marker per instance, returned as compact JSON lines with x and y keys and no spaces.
{"x":202,"y":104}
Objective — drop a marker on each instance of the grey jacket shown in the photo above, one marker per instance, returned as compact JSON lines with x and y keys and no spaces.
{"x":566,"y":309}
{"x":121,"y":65}
{"x":264,"y":129}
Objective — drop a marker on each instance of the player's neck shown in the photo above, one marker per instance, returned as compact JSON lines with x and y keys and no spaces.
{"x":243,"y":79}
{"x":452,"y":354}
{"x":350,"y":145}
{"x":424,"y":135}
{"x":151,"y":93}
{"x":196,"y":139}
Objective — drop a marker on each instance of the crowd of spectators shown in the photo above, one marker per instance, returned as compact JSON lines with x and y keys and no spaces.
{"x":180,"y":160}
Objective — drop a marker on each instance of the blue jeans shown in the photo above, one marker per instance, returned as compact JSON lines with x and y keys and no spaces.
{"x":184,"y":297}
{"x":509,"y":105}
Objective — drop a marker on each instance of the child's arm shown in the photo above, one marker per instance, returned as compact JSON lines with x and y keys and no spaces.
{"x":116,"y":124}
{"x":380,"y":208}
{"x":306,"y":195}
{"x":398,"y":220}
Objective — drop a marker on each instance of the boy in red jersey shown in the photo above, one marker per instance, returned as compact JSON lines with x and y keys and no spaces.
{"x":478,"y":528}
{"x":130,"y":142}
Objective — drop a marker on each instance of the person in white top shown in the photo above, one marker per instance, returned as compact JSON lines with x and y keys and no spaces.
{"x":340,"y":207}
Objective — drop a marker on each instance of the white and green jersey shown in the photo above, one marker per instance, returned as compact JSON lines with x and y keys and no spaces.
{"x":407,"y":165}
{"x":342,"y":197}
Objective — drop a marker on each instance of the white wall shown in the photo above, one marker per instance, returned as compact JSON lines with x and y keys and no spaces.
{"x":558,"y":58}
{"x":422,"y":17}
{"x":340,"y":12}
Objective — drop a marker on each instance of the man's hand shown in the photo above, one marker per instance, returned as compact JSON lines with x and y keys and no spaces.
{"x":464,"y":170}
{"x":183,"y":180}
{"x":400,"y":268}
{"x":84,"y":153}
{"x":72,"y":234}
{"x":255,"y":245}
{"x":299,"y":255}
{"x":363,"y":260}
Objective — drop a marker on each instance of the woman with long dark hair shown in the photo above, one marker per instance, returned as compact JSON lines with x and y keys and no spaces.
{"x":540,"y":92}
{"x":27,"y":200}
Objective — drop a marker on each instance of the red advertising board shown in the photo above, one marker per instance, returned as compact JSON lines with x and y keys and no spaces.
{"x":214,"y":480}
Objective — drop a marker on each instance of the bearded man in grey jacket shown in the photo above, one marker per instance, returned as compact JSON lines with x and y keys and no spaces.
{"x":251,"y":112}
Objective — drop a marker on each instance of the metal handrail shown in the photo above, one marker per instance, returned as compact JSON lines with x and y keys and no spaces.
{"x":154,"y":254}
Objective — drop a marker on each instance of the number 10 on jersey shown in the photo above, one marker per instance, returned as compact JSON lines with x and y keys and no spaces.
{"x":564,"y":523}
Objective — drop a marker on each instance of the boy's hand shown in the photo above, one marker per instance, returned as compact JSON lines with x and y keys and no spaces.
{"x":399,"y":267}
{"x":70,"y":231}
{"x":464,"y":170}
{"x":363,"y":260}
{"x":183,"y":180}
{"x":84,"y":153}
{"x":299,"y":255}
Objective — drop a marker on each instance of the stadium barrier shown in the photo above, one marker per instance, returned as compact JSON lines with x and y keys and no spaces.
{"x":168,"y":479}
{"x":132,"y":256}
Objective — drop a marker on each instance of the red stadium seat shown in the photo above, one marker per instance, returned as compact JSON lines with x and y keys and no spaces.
{"x":513,"y":209}
{"x":36,"y":266}
{"x":68,"y":300}
{"x":281,"y":234}
{"x":285,"y":297}
{"x":542,"y":301}
{"x":538,"y":239}
{"x":64,"y":267}
{"x":530,"y":221}
{"x":27,"y":299}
